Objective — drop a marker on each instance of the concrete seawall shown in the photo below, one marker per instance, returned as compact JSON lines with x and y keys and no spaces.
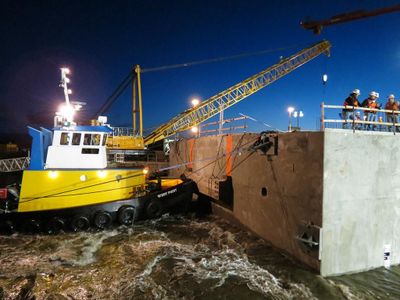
{"x":330,"y":199}
{"x":361,"y":200}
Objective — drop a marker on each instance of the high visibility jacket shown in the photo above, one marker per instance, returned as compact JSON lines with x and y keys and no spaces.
{"x":351,"y":101}
{"x":370,"y":104}
{"x":392,"y":106}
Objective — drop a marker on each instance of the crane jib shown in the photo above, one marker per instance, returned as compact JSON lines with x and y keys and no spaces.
{"x":225,"y":99}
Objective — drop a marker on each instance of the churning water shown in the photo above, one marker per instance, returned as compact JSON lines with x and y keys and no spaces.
{"x":171,"y":258}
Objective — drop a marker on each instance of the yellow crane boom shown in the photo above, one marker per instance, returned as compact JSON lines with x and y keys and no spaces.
{"x":215,"y":104}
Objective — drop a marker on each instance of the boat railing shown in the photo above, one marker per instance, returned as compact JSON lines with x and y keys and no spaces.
{"x":356,"y":118}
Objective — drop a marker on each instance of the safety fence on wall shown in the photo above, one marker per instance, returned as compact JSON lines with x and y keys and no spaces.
{"x":359,"y":118}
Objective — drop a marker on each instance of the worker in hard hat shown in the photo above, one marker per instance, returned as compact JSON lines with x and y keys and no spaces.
{"x":392,"y":117}
{"x":351,"y":100}
{"x":372,"y":103}
{"x":357,"y":117}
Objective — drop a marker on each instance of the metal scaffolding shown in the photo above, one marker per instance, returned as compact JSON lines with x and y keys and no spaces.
{"x":14,"y":164}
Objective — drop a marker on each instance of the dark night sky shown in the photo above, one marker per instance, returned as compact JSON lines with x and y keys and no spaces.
{"x":101,"y":41}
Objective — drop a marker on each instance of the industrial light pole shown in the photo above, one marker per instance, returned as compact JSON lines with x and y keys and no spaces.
{"x":298,"y":114}
{"x":196,"y":129}
{"x":290,"y":111}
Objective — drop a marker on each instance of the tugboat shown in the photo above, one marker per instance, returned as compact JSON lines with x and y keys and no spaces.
{"x":68,"y":184}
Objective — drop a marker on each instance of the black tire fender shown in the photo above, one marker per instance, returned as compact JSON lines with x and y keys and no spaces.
{"x":126,"y":215}
{"x":80,"y":223}
{"x":154,"y":209}
{"x":55,"y":225}
{"x":7,"y":227}
{"x":32,"y":226}
{"x":102,"y":219}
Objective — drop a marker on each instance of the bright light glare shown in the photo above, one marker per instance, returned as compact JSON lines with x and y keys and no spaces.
{"x":53,"y":174}
{"x":325,"y":78}
{"x":195,"y":129}
{"x":101,"y":174}
{"x":65,"y":70}
{"x":69,"y":91}
{"x":295,"y":114}
{"x":83,"y":177}
{"x":67,"y":111}
{"x":301,"y":114}
{"x":290,"y":109}
{"x":67,"y":80}
{"x":146,"y":171}
{"x":195,"y":102}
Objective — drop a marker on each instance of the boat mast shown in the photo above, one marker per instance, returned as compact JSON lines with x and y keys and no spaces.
{"x":64,"y":84}
{"x":65,"y":115}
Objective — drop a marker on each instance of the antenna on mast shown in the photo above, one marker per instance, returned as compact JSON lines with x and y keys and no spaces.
{"x":64,"y":84}
{"x":66,"y":112}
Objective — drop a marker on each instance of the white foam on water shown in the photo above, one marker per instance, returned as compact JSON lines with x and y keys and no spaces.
{"x":345,"y":290}
{"x":223,"y":264}
{"x":145,"y":283}
{"x":92,"y":244}
{"x":203,"y":263}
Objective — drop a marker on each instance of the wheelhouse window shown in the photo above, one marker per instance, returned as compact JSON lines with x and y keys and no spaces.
{"x":91,"y":139}
{"x":104,"y":140}
{"x":64,"y":139}
{"x":96,"y":138}
{"x":90,"y":151}
{"x":76,"y":139}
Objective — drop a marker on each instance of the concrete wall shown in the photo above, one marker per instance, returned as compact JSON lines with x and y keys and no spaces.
{"x":293,"y":180}
{"x":361,"y":206}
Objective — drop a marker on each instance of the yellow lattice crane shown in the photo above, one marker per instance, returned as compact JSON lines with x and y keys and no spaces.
{"x":125,"y":138}
{"x":215,"y":104}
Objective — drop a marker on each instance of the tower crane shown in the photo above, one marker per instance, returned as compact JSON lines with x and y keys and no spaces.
{"x":316,"y":26}
{"x":229,"y":97}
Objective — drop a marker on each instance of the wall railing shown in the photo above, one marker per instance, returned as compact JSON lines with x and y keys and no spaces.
{"x":356,"y":118}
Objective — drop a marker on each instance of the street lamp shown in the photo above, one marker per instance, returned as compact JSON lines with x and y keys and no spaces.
{"x":324,"y":79}
{"x":290,"y":111}
{"x":298,"y":114}
{"x":195,"y":102}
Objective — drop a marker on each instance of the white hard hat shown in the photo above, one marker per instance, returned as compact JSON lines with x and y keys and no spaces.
{"x":391,"y":96}
{"x":374,"y":94}
{"x":356,"y":91}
